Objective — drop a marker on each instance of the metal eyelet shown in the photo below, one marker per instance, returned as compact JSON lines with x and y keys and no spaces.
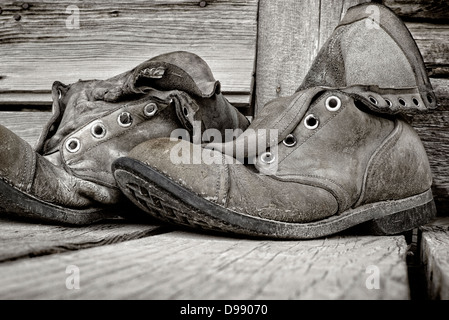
{"x":372,"y":100}
{"x":124,"y":119}
{"x":267,"y":157}
{"x":73,"y":145}
{"x":402,"y":102}
{"x":333,"y":103}
{"x":389,"y":103}
{"x":150,"y":109}
{"x":311,"y":122}
{"x":98,"y":130}
{"x":289,"y":140}
{"x":59,"y":94}
{"x":415,"y":101}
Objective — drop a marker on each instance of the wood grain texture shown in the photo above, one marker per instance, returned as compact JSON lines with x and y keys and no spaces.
{"x":433,"y":43}
{"x":22,"y":239}
{"x":113,"y":37}
{"x":194,"y":266}
{"x":290,"y":35}
{"x":38,"y":100}
{"x":419,"y":9}
{"x":435,"y":257}
{"x":27,"y":125}
{"x":433,"y":129}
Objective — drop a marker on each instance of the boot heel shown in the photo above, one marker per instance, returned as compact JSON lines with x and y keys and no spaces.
{"x":402,"y":221}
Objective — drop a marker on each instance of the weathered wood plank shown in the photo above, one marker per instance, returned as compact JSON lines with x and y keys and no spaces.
{"x":433,"y":43}
{"x":435,"y":257}
{"x":193,"y":266}
{"x":419,"y":9}
{"x":43,"y":99}
{"x":433,"y":129}
{"x":27,"y":125}
{"x":45,"y":44}
{"x":22,"y":239}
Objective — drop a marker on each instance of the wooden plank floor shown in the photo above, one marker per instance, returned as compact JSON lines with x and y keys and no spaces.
{"x":183,"y":265}
{"x":435,"y":258}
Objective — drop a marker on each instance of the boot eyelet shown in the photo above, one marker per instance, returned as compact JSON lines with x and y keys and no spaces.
{"x":415,"y":101}
{"x":402,"y":102}
{"x":98,"y":130}
{"x":59,"y":94}
{"x":311,"y":122}
{"x":124,"y":119}
{"x":429,"y":98}
{"x":289,"y":140}
{"x":267,"y":157}
{"x":150,"y":109}
{"x":185,"y":111}
{"x":389,"y":103}
{"x":333,"y":103}
{"x":73,"y":145}
{"x":372,"y":100}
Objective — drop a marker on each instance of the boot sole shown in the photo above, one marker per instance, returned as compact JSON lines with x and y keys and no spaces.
{"x":167,"y":201}
{"x":17,"y":203}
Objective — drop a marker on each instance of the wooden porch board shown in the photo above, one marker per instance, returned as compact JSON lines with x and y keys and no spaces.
{"x":27,"y":125}
{"x":23,"y":239}
{"x":181,"y":265}
{"x":433,"y":129}
{"x":433,"y":42}
{"x":68,"y":41}
{"x":435,"y":257}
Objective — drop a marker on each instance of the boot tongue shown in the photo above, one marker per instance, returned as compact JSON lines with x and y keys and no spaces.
{"x":179,"y":70}
{"x":277,"y":119}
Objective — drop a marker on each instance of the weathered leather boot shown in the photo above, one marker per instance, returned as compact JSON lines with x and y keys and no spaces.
{"x":328,"y":163}
{"x":372,"y":50}
{"x":68,"y":178}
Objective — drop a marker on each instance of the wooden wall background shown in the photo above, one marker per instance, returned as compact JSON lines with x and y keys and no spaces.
{"x":258,"y":49}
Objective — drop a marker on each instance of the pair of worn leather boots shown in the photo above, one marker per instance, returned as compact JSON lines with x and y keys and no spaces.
{"x":335,"y":154}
